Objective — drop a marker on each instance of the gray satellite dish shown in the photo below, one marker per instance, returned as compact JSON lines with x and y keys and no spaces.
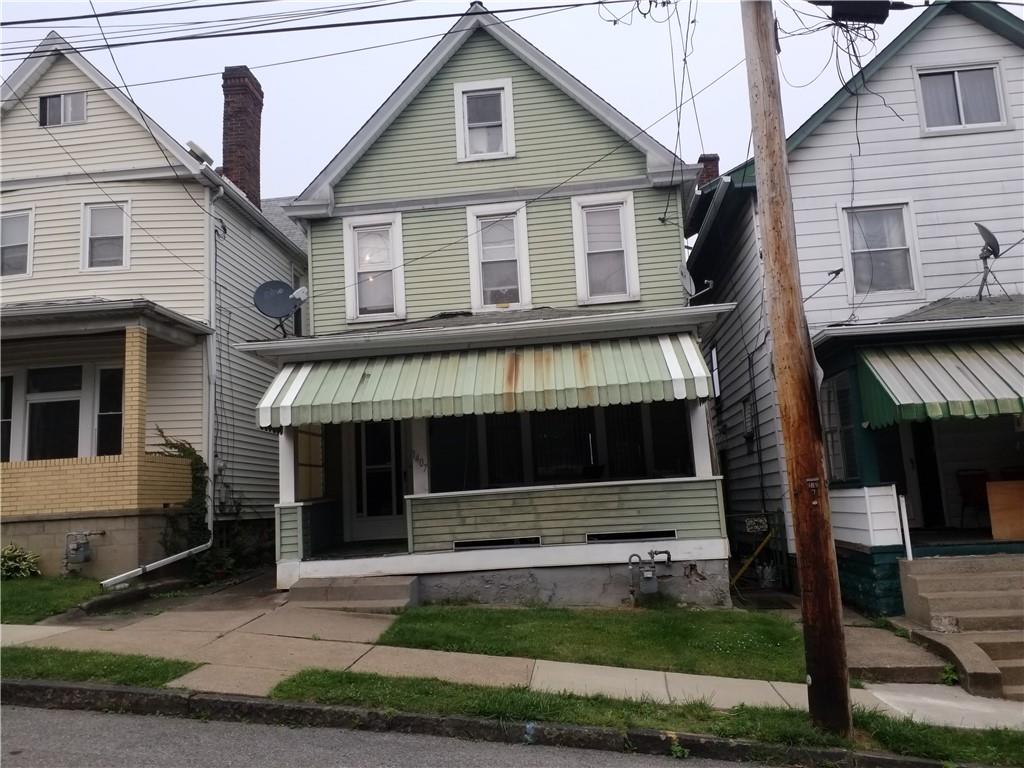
{"x":990,"y":250}
{"x":277,"y":299}
{"x":991,"y":244}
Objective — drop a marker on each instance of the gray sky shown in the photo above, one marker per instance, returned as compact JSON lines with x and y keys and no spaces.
{"x":312,"y":108}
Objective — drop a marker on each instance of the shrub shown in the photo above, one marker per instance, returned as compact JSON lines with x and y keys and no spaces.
{"x":16,"y":562}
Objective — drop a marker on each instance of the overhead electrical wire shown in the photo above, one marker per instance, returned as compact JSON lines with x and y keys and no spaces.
{"x":130,"y":12}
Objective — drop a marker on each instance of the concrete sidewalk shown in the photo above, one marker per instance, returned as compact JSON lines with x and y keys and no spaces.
{"x":249,"y":650}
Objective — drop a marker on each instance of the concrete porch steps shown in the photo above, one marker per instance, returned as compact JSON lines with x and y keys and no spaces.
{"x":1015,"y":692}
{"x":364,"y":594}
{"x":949,"y":602}
{"x":1001,"y":645}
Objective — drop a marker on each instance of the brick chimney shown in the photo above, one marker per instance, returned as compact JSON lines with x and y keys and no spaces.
{"x":243,"y":109}
{"x":709,"y":169}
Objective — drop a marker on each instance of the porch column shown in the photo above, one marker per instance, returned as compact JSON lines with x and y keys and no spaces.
{"x":133,"y":435}
{"x":701,"y":438}
{"x":286,"y":465}
{"x":420,"y":444}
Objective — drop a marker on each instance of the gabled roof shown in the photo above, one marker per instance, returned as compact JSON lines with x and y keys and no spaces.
{"x":660,"y":159}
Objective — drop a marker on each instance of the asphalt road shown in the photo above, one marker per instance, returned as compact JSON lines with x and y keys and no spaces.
{"x":65,"y":739}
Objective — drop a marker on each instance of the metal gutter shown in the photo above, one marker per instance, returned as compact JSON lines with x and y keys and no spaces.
{"x":724,"y":185}
{"x":396,"y":341}
{"x":117,"y":308}
{"x":920,"y":326}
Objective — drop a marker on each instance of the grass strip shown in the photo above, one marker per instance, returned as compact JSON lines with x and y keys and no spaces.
{"x":725,"y":643}
{"x":788,"y":727}
{"x":19,"y":662}
{"x":26,"y":601}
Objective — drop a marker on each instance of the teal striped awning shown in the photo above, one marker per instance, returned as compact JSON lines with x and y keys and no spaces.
{"x":528,"y":378}
{"x":970,"y":379}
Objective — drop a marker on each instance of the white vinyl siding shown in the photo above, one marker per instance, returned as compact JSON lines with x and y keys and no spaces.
{"x":375,"y":279}
{"x":484,"y":120}
{"x":499,"y":269}
{"x":16,"y":243}
{"x":948,"y":181}
{"x":604,"y":235}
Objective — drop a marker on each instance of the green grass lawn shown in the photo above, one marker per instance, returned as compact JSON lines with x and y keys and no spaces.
{"x":777,"y":726}
{"x":26,"y":601}
{"x":726,"y":643}
{"x":94,"y":666}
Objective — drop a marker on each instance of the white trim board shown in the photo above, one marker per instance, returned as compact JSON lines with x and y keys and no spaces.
{"x":616,"y":553}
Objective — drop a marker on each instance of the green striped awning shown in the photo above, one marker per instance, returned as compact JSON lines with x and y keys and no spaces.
{"x":529,"y":378}
{"x":971,"y":379}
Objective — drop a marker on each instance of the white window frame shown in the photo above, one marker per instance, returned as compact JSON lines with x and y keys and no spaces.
{"x":86,"y":218}
{"x":1006,"y":123}
{"x":517,"y":211}
{"x":31,"y":211}
{"x":96,"y":405}
{"x":63,"y":122}
{"x":910,"y":229}
{"x":86,"y":407}
{"x":625,"y":199}
{"x":18,"y":411}
{"x":352,"y":223}
{"x":504,"y":84}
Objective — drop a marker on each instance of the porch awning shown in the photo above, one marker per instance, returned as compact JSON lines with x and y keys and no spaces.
{"x":970,"y":379}
{"x":527,"y":378}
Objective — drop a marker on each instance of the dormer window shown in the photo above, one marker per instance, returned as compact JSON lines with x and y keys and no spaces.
{"x":963,"y":99}
{"x":62,"y":109}
{"x":484,"y":120}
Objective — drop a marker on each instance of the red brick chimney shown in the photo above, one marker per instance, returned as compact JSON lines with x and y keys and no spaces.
{"x":709,"y":169}
{"x":243,"y":109}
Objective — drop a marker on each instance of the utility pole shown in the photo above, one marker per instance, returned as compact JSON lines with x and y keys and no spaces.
{"x":828,"y":690}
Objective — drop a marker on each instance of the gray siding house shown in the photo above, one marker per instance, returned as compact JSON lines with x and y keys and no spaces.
{"x":503,"y":394}
{"x":923,"y":382}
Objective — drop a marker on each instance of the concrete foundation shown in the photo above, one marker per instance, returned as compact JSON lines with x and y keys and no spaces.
{"x":703,"y":582}
{"x":128,"y":538}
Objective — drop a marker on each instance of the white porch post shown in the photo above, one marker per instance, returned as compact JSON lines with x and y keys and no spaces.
{"x":701,"y":439}
{"x":420,"y":456}
{"x":286,"y":465}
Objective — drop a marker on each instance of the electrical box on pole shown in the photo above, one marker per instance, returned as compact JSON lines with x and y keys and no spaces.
{"x":793,"y":366}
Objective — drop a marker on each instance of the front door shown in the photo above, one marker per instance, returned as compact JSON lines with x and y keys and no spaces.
{"x":380,"y":503}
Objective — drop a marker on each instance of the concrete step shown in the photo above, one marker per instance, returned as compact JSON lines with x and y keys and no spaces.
{"x":978,"y":620}
{"x":1013,"y":671}
{"x":354,"y":606}
{"x":1015,"y":692}
{"x":358,"y":593}
{"x":962,"y":582}
{"x":945,"y":602}
{"x":947,"y":566}
{"x":1000,"y":645}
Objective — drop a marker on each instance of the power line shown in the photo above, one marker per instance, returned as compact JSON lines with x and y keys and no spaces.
{"x":130,"y":12}
{"x":340,"y":25}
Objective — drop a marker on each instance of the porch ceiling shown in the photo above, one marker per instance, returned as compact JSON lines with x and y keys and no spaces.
{"x":971,"y":379}
{"x":526,"y":378}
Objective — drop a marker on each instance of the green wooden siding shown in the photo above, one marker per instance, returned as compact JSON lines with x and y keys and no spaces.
{"x":289,"y":533}
{"x":565,"y":515}
{"x":554,"y":136}
{"x":437,"y":259}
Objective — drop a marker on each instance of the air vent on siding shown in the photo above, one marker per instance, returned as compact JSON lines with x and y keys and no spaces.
{"x":522,"y":541}
{"x":594,"y":538}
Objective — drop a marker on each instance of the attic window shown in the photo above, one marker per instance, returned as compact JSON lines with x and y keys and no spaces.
{"x":961,"y":99}
{"x":484,"y":120}
{"x":62,"y":109}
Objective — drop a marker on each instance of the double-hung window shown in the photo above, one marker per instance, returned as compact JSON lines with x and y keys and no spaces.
{"x":62,"y":109}
{"x":374,"y":275}
{"x":837,"y":422}
{"x":499,"y":270}
{"x":963,"y":98}
{"x":105,"y":240}
{"x":54,"y":405}
{"x":15,"y":243}
{"x":484,"y":120}
{"x":881,"y":256}
{"x":6,"y":416}
{"x":109,"y":411}
{"x":605,"y":245}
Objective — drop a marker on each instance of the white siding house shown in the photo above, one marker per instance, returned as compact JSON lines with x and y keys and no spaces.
{"x":128,"y":271}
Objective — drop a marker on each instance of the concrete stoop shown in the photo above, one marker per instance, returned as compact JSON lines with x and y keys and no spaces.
{"x":359,"y":594}
{"x":971,"y":609}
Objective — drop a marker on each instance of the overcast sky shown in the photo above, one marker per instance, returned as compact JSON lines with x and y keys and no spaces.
{"x":312,"y":108}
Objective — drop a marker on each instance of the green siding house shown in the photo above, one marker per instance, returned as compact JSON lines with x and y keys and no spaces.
{"x":503,"y":387}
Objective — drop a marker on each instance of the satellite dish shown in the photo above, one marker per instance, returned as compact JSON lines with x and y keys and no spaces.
{"x":991,"y":247}
{"x":274,"y":299}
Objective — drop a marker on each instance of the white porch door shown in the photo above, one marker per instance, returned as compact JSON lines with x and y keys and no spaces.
{"x":380,"y":507}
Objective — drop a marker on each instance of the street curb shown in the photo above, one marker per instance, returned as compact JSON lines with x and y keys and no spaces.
{"x":99,"y":697}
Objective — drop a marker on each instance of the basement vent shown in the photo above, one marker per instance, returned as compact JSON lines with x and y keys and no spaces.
{"x":593,"y":538}
{"x":523,"y":541}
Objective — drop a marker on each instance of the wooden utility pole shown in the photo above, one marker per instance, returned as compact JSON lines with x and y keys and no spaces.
{"x":793,"y":363}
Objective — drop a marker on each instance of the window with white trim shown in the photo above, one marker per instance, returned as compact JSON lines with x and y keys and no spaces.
{"x":15,"y":243}
{"x":105,"y":243}
{"x":62,"y":109}
{"x":837,"y":426}
{"x":54,"y":402}
{"x":880,"y":252}
{"x":374,"y":276}
{"x":961,"y":98}
{"x":484,"y":120}
{"x":499,"y":261}
{"x":605,"y":243}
